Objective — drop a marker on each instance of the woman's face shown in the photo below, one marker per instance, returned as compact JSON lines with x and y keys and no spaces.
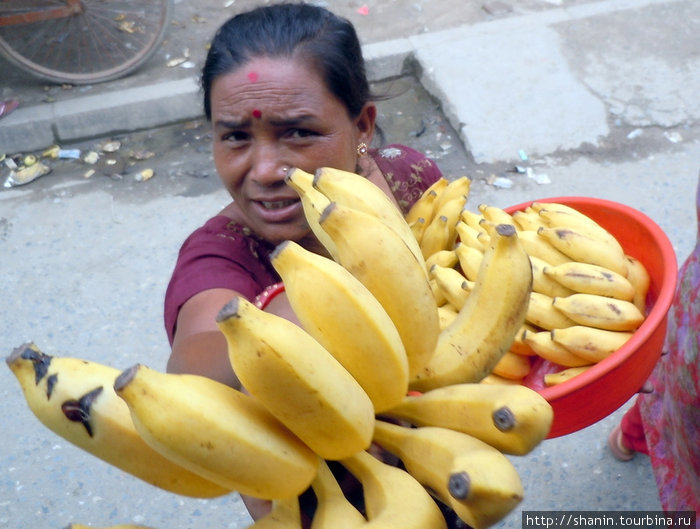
{"x":273,"y":114}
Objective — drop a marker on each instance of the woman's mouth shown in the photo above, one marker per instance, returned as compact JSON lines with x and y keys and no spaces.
{"x":277,"y":204}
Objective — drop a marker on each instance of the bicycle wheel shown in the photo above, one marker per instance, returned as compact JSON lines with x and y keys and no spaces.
{"x":108,"y":39}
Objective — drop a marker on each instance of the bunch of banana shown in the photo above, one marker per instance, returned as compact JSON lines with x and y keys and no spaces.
{"x":588,"y":296}
{"x":297,"y":380}
{"x":75,"y":399}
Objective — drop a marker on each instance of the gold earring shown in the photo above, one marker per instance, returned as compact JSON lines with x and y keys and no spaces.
{"x":362,"y":149}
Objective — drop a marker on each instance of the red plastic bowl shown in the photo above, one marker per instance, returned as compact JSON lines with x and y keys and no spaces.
{"x":607,"y":385}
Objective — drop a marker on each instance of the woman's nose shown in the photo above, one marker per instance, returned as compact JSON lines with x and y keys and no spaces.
{"x":269,"y":172}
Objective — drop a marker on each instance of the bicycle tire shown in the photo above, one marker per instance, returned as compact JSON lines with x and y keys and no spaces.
{"x":108,"y":40}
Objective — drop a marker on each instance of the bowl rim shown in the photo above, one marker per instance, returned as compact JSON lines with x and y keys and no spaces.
{"x":655,"y":317}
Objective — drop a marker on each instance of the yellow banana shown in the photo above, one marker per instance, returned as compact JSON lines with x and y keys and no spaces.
{"x":541,"y":247}
{"x":475,"y":479}
{"x":452,"y":210}
{"x":542,"y":343}
{"x":493,"y":379}
{"x":542,"y":313}
{"x":601,"y":312}
{"x":333,"y":510}
{"x":562,"y":216}
{"x":336,"y":309}
{"x":452,"y":284}
{"x":447,"y":315}
{"x":436,"y":237}
{"x":313,"y":202}
{"x":527,"y":220}
{"x":469,"y":260}
{"x":75,"y":399}
{"x":512,"y":366}
{"x":217,"y":432}
{"x":455,"y":189}
{"x":425,"y":205}
{"x":393,"y":498}
{"x":546,"y":284}
{"x":590,"y":343}
{"x":380,"y":259}
{"x":495,"y":214}
{"x":297,"y":380}
{"x":357,"y":192}
{"x":590,"y":279}
{"x":472,"y":219}
{"x":438,"y":294}
{"x":446,"y":258}
{"x":418,"y":228}
{"x":469,"y":236}
{"x":584,"y":248}
{"x":512,"y":418}
{"x":552,"y":379}
{"x":486,"y":325}
{"x":639,"y":277}
{"x":519,"y":346}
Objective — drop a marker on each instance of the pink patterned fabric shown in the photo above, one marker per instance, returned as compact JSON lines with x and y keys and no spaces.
{"x":671,"y":413}
{"x":224,"y":254}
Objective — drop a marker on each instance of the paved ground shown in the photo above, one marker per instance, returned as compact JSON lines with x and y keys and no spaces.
{"x":596,"y":98}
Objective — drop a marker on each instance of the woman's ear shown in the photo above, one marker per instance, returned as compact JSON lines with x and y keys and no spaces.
{"x":365,"y":123}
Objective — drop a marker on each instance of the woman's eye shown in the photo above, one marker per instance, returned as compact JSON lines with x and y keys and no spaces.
{"x":235,"y":136}
{"x":300,"y":133}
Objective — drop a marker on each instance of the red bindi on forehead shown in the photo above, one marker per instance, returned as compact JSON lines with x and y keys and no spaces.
{"x":253,"y":76}
{"x":257,"y":114}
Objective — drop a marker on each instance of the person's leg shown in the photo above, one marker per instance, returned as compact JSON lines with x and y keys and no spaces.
{"x":628,"y":437}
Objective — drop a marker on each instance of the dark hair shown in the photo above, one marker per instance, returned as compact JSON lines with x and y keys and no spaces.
{"x":327,"y":41}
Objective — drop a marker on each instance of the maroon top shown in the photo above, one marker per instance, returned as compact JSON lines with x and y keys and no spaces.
{"x":225,"y":254}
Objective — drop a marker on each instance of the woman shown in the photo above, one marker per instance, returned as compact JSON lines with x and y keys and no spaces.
{"x":284,"y":86}
{"x":665,"y":422}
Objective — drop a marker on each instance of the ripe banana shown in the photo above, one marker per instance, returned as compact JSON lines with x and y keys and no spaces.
{"x":639,"y":277}
{"x":562,"y":216}
{"x":333,"y":510}
{"x":447,"y":315}
{"x":527,"y":220}
{"x":472,"y":219}
{"x":495,"y":214}
{"x":590,"y":343}
{"x":74,"y":399}
{"x":588,"y":278}
{"x":217,"y":432}
{"x":423,"y":207}
{"x":297,"y":380}
{"x":338,"y":311}
{"x":469,"y":348}
{"x":418,"y":228}
{"x":446,"y":258}
{"x":601,"y":312}
{"x":519,"y":346}
{"x":512,"y":418}
{"x":475,"y":479}
{"x":452,"y":284}
{"x":393,"y":498}
{"x":313,"y":203}
{"x":552,"y":379}
{"x":357,"y":192}
{"x":469,"y":236}
{"x":541,"y":247}
{"x":452,"y":210}
{"x":455,"y":189}
{"x":541,"y":313}
{"x":380,"y":259}
{"x":582,"y":247}
{"x":542,"y":343}
{"x":544,"y":283}
{"x":469,"y":260}
{"x":512,"y":366}
{"x":437,"y":236}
